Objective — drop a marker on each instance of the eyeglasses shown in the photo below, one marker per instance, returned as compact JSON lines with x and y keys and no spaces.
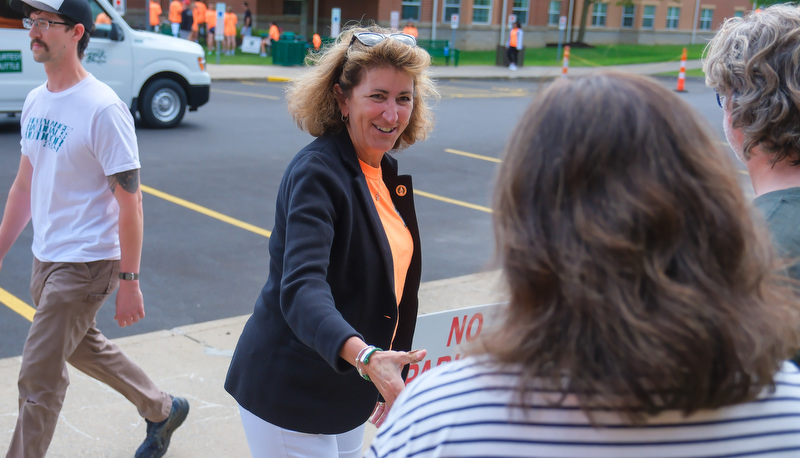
{"x":373,"y":38}
{"x":41,"y":23}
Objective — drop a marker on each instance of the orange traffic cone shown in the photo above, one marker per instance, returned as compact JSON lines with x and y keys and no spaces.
{"x":682,"y":74}
{"x":565,"y":62}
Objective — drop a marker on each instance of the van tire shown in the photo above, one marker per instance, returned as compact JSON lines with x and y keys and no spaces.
{"x":163,"y":104}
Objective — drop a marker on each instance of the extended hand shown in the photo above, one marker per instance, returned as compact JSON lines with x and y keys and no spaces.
{"x":384,"y":370}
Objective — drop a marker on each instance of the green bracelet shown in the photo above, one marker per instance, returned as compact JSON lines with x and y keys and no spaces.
{"x":363,"y":358}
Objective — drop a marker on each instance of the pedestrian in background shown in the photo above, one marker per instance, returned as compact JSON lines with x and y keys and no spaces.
{"x":648,"y":316}
{"x":198,"y":20}
{"x":155,"y":16}
{"x":247,"y":28}
{"x":175,"y":11}
{"x":78,"y":183}
{"x":211,"y":25}
{"x":761,"y":116}
{"x":187,"y":20}
{"x":411,"y":29}
{"x":230,"y":31}
{"x":345,"y":259}
{"x":267,"y":42}
{"x":514,"y":45}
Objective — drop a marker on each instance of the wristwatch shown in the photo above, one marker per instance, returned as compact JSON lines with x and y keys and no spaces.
{"x":128,"y":276}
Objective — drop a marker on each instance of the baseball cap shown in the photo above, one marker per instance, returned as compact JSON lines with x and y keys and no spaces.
{"x":77,"y":10}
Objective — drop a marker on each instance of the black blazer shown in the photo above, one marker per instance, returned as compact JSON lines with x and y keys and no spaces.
{"x":330,"y":278}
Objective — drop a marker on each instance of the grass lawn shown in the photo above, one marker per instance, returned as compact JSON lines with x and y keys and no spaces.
{"x":597,"y":56}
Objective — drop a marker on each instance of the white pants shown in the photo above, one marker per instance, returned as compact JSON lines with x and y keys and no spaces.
{"x":269,"y":441}
{"x":176,"y":28}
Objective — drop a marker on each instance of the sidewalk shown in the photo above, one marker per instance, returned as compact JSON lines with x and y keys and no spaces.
{"x":279,"y":73}
{"x":189,"y":361}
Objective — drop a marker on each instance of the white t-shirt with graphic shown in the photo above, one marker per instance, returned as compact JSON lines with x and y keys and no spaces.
{"x":75,"y":139}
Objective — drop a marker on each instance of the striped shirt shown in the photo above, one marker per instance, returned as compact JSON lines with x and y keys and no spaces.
{"x":466,"y":409}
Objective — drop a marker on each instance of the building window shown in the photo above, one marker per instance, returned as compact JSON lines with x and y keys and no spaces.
{"x":451,"y":7}
{"x":291,"y":7}
{"x":648,"y":16}
{"x":554,"y":13}
{"x":673,"y":13}
{"x":599,"y":14}
{"x":705,"y":18}
{"x":480,"y":11}
{"x":627,"y":16}
{"x":521,"y":10}
{"x":410,"y":10}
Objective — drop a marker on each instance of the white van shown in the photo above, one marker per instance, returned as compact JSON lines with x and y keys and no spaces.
{"x":157,"y":75}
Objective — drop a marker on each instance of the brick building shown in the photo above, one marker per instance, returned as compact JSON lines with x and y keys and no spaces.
{"x":481,"y":24}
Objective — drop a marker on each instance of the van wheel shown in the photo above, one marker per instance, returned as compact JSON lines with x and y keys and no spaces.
{"x":163,"y":104}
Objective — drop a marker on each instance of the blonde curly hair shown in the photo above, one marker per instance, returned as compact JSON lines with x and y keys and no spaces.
{"x":311,"y":98}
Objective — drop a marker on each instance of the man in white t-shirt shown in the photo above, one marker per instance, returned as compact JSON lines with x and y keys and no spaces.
{"x":78,"y":183}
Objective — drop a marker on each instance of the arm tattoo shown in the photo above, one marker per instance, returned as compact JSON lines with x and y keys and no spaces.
{"x":129,"y":180}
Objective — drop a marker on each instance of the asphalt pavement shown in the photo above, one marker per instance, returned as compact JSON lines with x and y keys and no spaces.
{"x":192,"y":361}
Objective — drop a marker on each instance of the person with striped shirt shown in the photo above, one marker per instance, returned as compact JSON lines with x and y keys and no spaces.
{"x":648,"y":315}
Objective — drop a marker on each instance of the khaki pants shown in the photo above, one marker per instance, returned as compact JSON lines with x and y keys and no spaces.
{"x":67,"y":298}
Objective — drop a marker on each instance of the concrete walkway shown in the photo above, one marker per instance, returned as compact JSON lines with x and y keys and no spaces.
{"x":189,"y":361}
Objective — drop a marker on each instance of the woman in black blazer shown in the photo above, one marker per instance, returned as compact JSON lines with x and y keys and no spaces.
{"x":331,"y":331}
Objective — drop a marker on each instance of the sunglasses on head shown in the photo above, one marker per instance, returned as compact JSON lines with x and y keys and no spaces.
{"x":373,"y":38}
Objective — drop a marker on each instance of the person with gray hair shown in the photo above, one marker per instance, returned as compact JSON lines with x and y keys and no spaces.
{"x":752,"y":64}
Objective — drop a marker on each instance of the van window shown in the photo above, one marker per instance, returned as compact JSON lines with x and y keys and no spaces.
{"x":102,"y":21}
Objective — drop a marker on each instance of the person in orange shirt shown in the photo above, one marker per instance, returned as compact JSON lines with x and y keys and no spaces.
{"x":175,"y":10}
{"x":199,"y":13}
{"x":266,"y":42}
{"x":102,"y":18}
{"x":316,"y":40}
{"x":155,"y":15}
{"x":514,"y":45}
{"x":230,"y":31}
{"x":411,"y":29}
{"x":211,"y":26}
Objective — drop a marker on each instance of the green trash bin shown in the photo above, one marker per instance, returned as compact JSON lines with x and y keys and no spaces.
{"x":287,"y":53}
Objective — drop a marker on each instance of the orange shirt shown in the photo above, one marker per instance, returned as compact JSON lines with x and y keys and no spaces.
{"x":274,"y":33}
{"x":317,"y":40}
{"x":211,"y":18}
{"x":199,"y":13}
{"x":175,"y":10}
{"x":400,"y":241}
{"x":230,"y":24}
{"x":512,"y":40}
{"x":410,"y":30}
{"x":155,"y":12}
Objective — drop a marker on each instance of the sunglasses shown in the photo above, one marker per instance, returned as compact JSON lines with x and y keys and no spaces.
{"x":373,"y":38}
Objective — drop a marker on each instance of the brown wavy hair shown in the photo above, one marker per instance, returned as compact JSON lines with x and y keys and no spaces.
{"x":754,"y":60}
{"x":311,"y":98}
{"x":637,"y":281}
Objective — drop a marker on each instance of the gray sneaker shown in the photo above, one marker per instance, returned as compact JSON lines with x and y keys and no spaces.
{"x":158,"y":434}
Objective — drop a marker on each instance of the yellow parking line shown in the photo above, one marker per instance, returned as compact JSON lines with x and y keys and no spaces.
{"x":452,"y":201}
{"x":206,"y":211}
{"x":17,"y":305}
{"x":472,"y":155}
{"x":247,"y":94}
